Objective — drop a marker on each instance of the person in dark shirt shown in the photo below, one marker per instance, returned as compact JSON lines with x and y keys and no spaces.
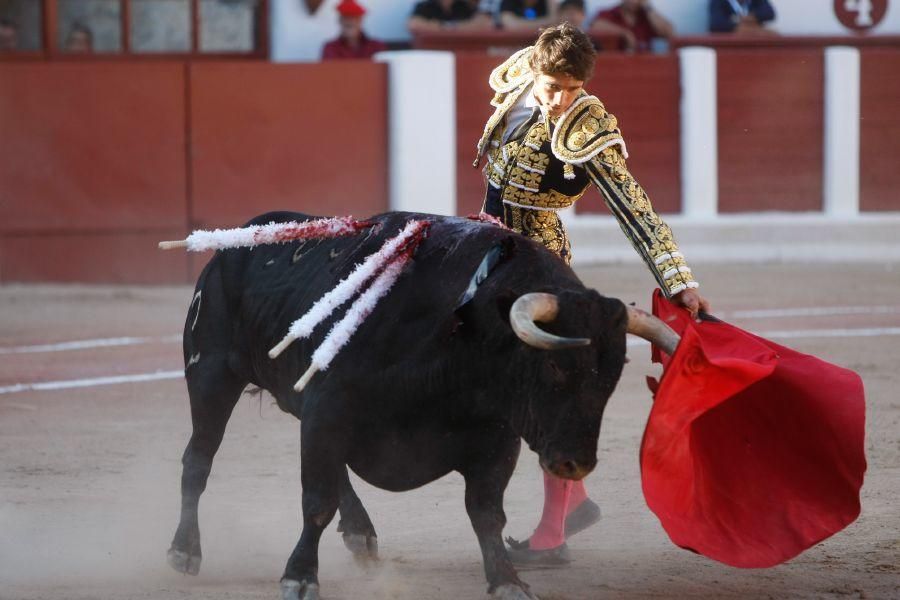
{"x":746,"y":17}
{"x":80,"y":39}
{"x":434,"y":15}
{"x":528,"y":14}
{"x":572,"y":12}
{"x":353,"y":42}
{"x":636,"y":23}
{"x":9,"y":35}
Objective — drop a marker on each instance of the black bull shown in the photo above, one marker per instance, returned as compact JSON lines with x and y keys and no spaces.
{"x":426,"y":385}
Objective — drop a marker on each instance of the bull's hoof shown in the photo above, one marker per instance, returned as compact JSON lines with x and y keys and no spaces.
{"x":184,"y":562}
{"x":291,"y":589}
{"x":511,"y":591}
{"x":364,"y":547}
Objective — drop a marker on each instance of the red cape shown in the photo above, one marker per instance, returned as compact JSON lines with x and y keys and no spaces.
{"x":753,"y":452}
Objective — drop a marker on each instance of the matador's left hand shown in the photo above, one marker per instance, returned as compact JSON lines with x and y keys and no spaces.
{"x":692,"y":301}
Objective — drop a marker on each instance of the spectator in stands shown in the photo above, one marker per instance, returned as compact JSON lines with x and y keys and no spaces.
{"x":435,"y":15}
{"x":80,"y":39}
{"x":9,"y":35}
{"x":528,"y":14}
{"x":352,"y":42}
{"x":572,"y":12}
{"x":489,"y":10}
{"x":636,"y":23}
{"x":745,"y":17}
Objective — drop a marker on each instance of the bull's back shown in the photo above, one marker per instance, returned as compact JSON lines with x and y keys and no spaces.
{"x":265,"y":289}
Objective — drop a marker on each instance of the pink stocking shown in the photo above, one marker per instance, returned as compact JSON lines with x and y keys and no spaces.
{"x":551,"y":531}
{"x":579,"y":495}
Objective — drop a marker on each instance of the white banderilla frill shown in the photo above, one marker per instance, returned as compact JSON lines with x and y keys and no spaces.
{"x":387,"y":264}
{"x":272,"y":233}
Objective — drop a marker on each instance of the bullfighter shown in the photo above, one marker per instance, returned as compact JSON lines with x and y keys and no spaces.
{"x":547,"y":141}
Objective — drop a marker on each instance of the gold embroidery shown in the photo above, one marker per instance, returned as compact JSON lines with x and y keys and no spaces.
{"x":577,"y":140}
{"x":527,"y":179}
{"x":512,"y":73}
{"x":646,"y":230}
{"x":550,"y":199}
{"x":585,"y":131}
{"x":491,"y":126}
{"x":590,"y":126}
{"x":544,"y":227}
{"x":534,"y":159}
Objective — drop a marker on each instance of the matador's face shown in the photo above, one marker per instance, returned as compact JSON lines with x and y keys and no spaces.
{"x":556,"y":91}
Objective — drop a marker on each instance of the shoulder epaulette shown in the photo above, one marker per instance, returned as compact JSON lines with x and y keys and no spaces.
{"x":512,"y":73}
{"x":585,"y":130}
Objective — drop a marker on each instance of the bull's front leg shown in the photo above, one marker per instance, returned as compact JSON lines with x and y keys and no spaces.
{"x":486,"y":480}
{"x":321,"y":467}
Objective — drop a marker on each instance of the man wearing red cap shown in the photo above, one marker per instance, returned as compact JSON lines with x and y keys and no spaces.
{"x":353,"y":42}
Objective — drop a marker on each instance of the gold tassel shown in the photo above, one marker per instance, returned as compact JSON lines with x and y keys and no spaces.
{"x":568,"y":171}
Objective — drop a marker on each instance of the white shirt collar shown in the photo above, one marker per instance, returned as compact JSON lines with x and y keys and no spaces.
{"x":530,"y":100}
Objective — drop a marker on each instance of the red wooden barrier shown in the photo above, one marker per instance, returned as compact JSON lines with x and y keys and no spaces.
{"x":91,"y":152}
{"x":879,"y":177}
{"x":770,"y":120}
{"x":643,"y":92}
{"x":95,"y":164}
{"x":311,"y":138}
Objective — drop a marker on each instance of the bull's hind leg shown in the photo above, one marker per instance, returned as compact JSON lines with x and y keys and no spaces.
{"x":214,"y":390}
{"x":355,"y":525}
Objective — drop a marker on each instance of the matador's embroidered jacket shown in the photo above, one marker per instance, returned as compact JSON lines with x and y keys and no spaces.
{"x":549,"y":167}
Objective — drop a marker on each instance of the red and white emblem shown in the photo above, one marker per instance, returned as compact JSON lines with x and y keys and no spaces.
{"x":860,"y":15}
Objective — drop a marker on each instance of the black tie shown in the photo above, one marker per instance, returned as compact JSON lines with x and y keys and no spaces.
{"x":520,"y":131}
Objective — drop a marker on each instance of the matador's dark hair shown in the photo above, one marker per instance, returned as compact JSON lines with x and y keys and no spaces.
{"x":564,"y":49}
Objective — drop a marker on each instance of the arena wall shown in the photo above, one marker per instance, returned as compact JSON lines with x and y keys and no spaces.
{"x":102,"y":159}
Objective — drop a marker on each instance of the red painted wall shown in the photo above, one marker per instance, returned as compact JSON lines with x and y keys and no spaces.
{"x":102,"y":160}
{"x":473,"y":97}
{"x":311,"y":138}
{"x":91,"y":152}
{"x":641,"y":91}
{"x":879,"y":136}
{"x":770,"y":119}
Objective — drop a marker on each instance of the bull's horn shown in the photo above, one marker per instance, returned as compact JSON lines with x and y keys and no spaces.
{"x":645,"y":325}
{"x":539,"y":307}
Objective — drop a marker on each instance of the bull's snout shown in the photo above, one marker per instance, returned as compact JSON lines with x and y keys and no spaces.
{"x":568,"y":467}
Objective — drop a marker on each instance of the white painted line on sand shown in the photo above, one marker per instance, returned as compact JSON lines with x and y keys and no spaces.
{"x":808,"y":333}
{"x":632,"y":341}
{"x":86,"y":344}
{"x":832,"y":333}
{"x":818,"y":311}
{"x":91,"y":382}
{"x":737,"y":314}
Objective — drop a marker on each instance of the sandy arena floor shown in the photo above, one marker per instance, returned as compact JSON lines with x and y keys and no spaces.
{"x":89,"y":476}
